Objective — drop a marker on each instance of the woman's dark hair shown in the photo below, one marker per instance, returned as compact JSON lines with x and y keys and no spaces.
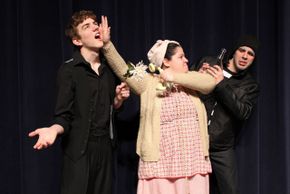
{"x":171,"y":50}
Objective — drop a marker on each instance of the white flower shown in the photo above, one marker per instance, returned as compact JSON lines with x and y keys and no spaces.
{"x":138,"y":71}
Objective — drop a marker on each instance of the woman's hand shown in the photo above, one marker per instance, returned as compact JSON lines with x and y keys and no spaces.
{"x":105,"y":30}
{"x":215,"y":71}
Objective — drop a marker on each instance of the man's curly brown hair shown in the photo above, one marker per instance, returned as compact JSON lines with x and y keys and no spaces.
{"x":77,"y":18}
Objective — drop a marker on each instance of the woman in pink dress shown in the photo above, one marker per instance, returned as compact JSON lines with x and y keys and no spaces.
{"x":172,"y":139}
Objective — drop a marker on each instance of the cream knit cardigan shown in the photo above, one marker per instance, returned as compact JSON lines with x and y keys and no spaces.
{"x":149,"y":127}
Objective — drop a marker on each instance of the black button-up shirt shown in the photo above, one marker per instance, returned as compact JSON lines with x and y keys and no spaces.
{"x":83,"y":102}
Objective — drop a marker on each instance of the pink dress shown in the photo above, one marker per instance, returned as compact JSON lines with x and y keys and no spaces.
{"x":181,"y":155}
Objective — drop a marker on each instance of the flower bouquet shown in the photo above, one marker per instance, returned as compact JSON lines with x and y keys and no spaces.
{"x":139,"y":70}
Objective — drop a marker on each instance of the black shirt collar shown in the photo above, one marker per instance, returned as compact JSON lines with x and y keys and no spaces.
{"x":78,"y":59}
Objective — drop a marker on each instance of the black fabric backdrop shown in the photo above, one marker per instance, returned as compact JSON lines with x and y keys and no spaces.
{"x":33,"y":46}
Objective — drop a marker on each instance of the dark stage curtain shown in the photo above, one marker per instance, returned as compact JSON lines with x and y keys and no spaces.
{"x":33,"y":47}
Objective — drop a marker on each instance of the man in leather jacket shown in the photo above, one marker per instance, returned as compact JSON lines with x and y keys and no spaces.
{"x":228,"y":106}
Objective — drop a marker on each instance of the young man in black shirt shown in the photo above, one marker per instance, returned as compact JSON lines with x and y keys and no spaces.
{"x":86,"y":95}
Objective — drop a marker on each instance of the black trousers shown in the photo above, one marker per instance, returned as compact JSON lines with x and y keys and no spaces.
{"x":92,"y":173}
{"x":224,"y":178}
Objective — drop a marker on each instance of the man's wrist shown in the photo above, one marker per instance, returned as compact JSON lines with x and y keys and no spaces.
{"x":57,"y":128}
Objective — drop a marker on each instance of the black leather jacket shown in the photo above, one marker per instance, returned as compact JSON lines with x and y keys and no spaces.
{"x":232,"y":101}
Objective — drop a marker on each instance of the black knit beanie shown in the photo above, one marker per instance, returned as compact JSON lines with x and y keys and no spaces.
{"x":247,"y":40}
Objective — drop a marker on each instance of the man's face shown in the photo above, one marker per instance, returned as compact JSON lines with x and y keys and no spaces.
{"x":89,"y":35}
{"x":243,"y":58}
